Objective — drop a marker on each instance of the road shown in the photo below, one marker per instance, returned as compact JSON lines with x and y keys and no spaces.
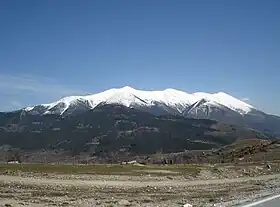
{"x":273,"y":201}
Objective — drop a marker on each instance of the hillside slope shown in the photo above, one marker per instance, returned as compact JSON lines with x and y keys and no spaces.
{"x":116,"y":129}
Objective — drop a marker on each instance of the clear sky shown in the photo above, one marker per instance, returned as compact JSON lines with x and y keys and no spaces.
{"x":50,"y":49}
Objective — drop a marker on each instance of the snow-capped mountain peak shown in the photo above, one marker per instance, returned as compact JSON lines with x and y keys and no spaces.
{"x":227,"y":100}
{"x":175,"y":100}
{"x":127,"y":89}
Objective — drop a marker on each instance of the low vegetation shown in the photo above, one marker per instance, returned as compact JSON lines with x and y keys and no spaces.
{"x":102,"y":169}
{"x":115,"y":131}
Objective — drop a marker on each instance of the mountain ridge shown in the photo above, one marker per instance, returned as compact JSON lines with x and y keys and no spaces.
{"x":129,"y":97}
{"x":219,"y":106}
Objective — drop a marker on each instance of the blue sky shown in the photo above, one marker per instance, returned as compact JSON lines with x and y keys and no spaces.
{"x":50,"y":49}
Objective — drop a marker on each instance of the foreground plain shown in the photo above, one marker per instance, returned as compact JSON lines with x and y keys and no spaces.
{"x":136,"y":185}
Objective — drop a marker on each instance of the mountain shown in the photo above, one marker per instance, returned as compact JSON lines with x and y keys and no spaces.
{"x":111,"y":129}
{"x":169,"y":99}
{"x":218,"y":106}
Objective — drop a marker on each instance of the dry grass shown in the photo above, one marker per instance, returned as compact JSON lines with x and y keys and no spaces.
{"x":102,"y":169}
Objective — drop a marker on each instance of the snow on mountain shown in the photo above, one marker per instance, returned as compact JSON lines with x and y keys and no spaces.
{"x":130,"y":97}
{"x":226,"y":100}
{"x":209,"y":109}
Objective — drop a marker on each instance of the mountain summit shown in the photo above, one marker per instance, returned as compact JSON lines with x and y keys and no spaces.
{"x":171,"y":99}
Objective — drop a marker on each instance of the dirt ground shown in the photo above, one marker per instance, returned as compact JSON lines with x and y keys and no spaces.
{"x":210,"y":186}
